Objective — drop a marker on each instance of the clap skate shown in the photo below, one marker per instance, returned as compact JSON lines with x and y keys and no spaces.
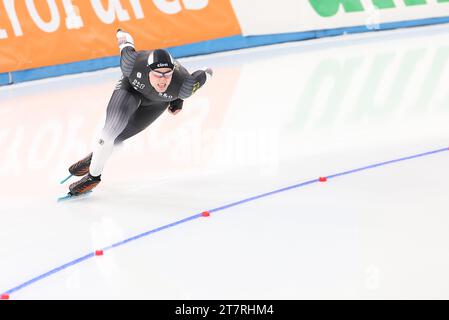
{"x":79,"y":168}
{"x":82,"y":187}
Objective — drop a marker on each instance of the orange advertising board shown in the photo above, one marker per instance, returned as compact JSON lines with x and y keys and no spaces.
{"x":38,"y":33}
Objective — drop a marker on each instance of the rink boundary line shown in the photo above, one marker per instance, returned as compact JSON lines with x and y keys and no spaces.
{"x":5,"y":295}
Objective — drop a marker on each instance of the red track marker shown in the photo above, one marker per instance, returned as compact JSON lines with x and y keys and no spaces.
{"x":4,"y":297}
{"x":99,"y":252}
{"x":205,"y":214}
{"x":323,"y":179}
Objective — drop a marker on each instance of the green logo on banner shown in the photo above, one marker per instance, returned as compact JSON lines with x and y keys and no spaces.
{"x":329,"y":8}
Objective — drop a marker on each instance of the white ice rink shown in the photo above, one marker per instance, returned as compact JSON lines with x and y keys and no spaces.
{"x":270,"y":118}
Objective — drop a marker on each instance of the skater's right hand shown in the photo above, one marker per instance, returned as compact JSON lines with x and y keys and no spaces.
{"x":124,"y":39}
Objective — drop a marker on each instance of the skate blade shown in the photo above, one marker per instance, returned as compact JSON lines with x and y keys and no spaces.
{"x":72,"y":197}
{"x":66,"y":179}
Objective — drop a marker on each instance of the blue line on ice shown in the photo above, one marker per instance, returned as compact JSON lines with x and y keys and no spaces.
{"x":196,"y":216}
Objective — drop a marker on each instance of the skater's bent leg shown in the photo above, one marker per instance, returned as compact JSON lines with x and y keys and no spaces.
{"x":121,"y":107}
{"x":102,"y":152}
{"x":141,"y":119}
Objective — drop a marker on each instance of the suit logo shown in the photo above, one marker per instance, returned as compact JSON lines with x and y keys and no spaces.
{"x":196,"y":86}
{"x":137,"y":85}
{"x":165,"y":96}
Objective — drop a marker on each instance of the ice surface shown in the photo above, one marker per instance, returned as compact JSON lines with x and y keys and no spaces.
{"x":271,"y":117}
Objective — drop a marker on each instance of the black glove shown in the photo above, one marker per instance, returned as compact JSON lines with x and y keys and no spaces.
{"x":176,"y":105}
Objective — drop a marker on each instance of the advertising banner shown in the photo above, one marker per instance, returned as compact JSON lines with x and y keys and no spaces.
{"x":285,"y":16}
{"x":38,"y":33}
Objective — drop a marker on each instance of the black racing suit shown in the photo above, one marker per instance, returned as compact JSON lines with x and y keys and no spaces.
{"x":135,"y":104}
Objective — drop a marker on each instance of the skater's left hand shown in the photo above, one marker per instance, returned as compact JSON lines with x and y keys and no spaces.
{"x":174,"y":112}
{"x":175,"y":106}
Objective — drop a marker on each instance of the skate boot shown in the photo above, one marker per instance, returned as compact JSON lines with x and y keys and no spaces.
{"x":86,"y":184}
{"x":81,"y":167}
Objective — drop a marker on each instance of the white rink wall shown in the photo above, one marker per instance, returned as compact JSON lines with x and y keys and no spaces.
{"x":297,"y":16}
